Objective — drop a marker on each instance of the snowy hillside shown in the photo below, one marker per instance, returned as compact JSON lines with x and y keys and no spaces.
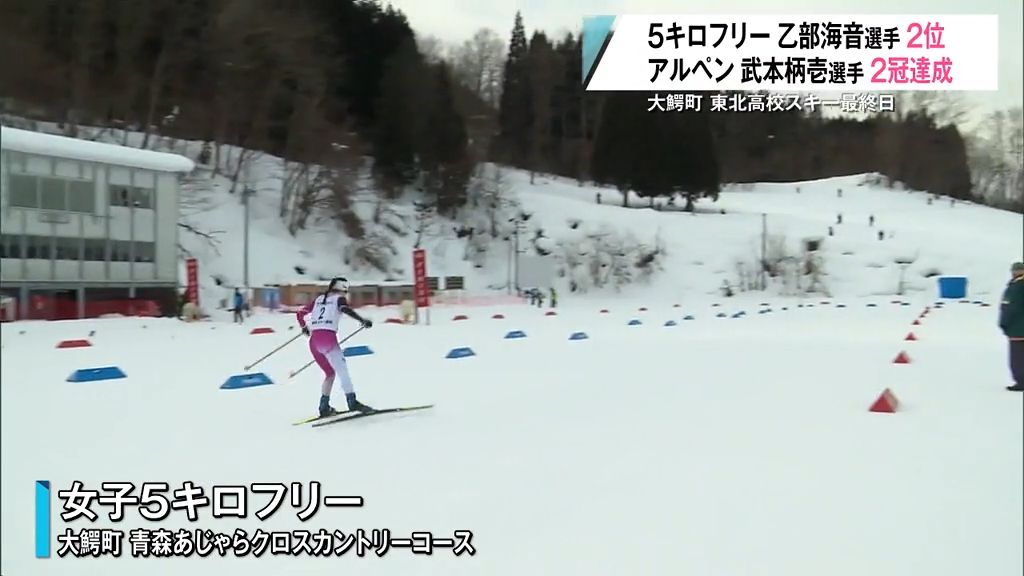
{"x":597,"y":247}
{"x":697,"y":251}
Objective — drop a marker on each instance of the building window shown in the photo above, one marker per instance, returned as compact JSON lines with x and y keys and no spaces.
{"x":23,"y":191}
{"x":52,"y":193}
{"x":119,"y":195}
{"x":38,"y":247}
{"x":143,"y":198}
{"x":145,"y":251}
{"x":10,"y":246}
{"x":95,"y":250}
{"x":67,"y":248}
{"x":130,"y":196}
{"x":81,"y":196}
{"x":120,"y":251}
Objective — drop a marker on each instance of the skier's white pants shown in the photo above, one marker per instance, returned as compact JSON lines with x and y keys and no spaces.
{"x":329,"y":356}
{"x":336,"y":358}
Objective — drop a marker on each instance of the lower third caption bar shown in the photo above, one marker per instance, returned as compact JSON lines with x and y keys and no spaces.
{"x":163,"y":543}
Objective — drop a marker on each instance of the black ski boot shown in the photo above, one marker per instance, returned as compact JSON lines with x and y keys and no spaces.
{"x":356,"y":405}
{"x":325,"y":407}
{"x":1016,"y":388}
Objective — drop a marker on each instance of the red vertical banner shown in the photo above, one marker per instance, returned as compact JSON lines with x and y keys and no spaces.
{"x":192,"y":289}
{"x":419,"y":271}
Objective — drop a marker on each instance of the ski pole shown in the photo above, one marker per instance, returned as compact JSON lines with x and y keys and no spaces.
{"x":310,"y":363}
{"x":274,"y":351}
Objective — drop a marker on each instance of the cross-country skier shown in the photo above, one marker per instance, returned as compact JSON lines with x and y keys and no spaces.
{"x":320,"y":320}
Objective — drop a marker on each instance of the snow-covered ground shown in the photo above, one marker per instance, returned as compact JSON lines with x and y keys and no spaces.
{"x":715,"y":446}
{"x":739,"y":444}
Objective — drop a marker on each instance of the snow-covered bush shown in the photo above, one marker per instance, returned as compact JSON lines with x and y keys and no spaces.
{"x":607,"y":258}
{"x":375,"y":250}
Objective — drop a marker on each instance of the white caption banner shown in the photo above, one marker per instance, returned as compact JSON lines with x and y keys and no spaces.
{"x":775,"y":52}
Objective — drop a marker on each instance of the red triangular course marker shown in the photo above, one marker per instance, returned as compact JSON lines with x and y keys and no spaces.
{"x":74,"y":344}
{"x":902,"y":358}
{"x":551,"y":313}
{"x":886,"y":402}
{"x":911,"y":337}
{"x":498,"y":317}
{"x":917,"y":322}
{"x":604,"y":311}
{"x":261,"y":330}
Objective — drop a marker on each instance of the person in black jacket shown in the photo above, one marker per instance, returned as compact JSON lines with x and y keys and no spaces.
{"x":1011,"y":322}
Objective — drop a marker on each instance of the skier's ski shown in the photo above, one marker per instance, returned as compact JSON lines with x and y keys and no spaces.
{"x":352,"y":415}
{"x":315,"y":418}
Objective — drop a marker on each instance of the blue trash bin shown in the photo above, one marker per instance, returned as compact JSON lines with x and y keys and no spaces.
{"x":952,"y":287}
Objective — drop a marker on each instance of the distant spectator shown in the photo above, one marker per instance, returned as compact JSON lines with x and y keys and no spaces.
{"x":839,"y":218}
{"x":239,"y":304}
{"x":831,"y":232}
{"x":554,"y":298}
{"x":881,"y":234}
{"x":871,"y":220}
{"x":1011,"y":322}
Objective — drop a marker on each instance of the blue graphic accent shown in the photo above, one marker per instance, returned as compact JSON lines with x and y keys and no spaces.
{"x":595,"y":31}
{"x":42,"y":518}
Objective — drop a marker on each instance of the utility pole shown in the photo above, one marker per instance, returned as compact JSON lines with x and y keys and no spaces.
{"x":764,"y":250}
{"x":509,"y":282}
{"x":246,"y":192}
{"x":517,"y":254}
{"x":514,"y":277}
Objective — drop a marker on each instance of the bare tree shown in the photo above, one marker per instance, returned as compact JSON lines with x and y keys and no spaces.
{"x":432,"y":49}
{"x":478,"y":65}
{"x":996,"y":156}
{"x":946,"y":108}
{"x":426,"y":212}
{"x":489,"y":192}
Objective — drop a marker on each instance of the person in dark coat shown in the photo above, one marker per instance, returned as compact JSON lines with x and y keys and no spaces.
{"x":238,"y":304}
{"x":1011,"y":322}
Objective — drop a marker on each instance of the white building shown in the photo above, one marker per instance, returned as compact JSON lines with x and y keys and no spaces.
{"x":85,"y":222}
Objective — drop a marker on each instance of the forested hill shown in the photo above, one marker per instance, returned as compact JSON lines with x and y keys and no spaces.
{"x":327,"y":82}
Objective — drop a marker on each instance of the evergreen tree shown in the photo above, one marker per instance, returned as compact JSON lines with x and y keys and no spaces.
{"x":654,"y":154}
{"x":399,"y":118}
{"x":514,"y":120}
{"x":445,"y":160}
{"x":543,"y":67}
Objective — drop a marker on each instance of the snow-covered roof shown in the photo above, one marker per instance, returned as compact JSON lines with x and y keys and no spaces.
{"x":30,"y":142}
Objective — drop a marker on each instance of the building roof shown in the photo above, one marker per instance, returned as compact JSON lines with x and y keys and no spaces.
{"x":42,"y":144}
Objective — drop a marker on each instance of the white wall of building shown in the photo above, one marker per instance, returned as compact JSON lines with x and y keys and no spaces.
{"x":145,"y":229}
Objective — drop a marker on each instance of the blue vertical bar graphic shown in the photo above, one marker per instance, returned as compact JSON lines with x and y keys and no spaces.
{"x":42,"y":518}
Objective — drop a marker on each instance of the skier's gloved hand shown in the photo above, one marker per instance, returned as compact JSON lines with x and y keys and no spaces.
{"x":367,"y":323}
{"x":305,"y":330}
